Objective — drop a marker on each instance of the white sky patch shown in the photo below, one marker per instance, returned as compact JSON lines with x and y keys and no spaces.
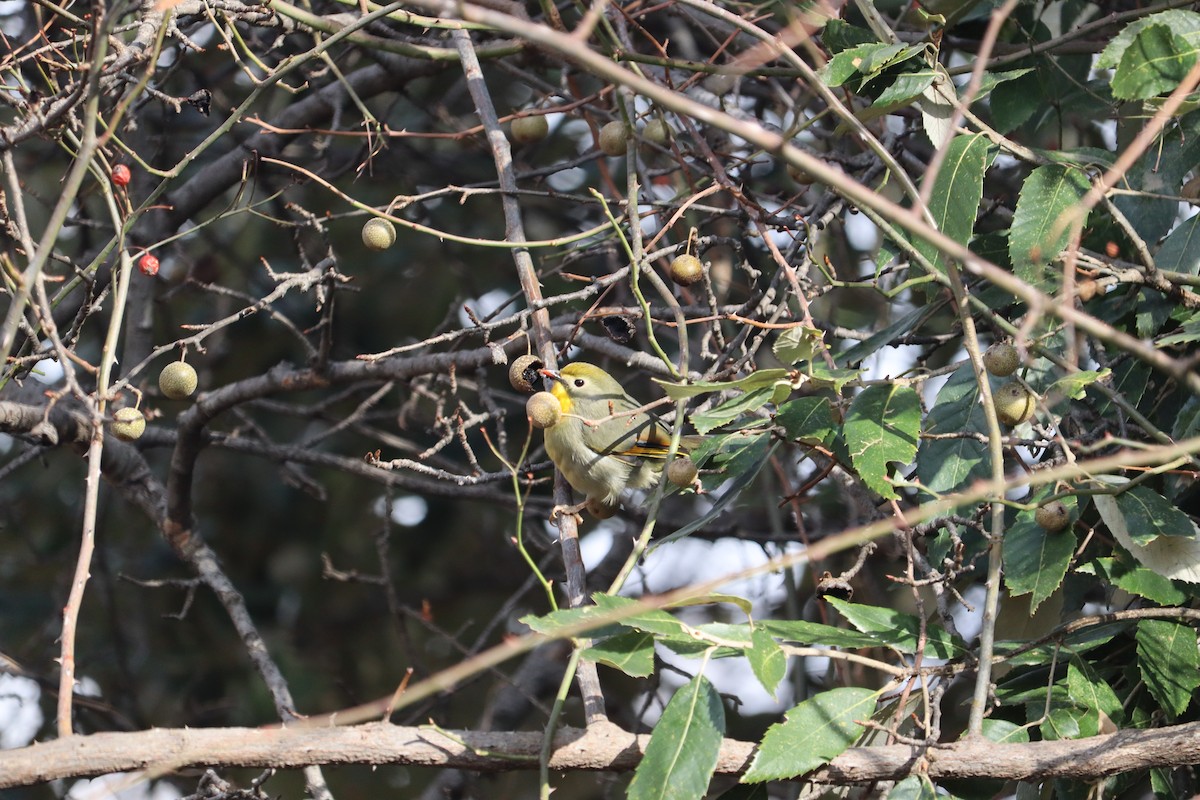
{"x":861,"y":233}
{"x":122,"y":786}
{"x":567,"y":180}
{"x":409,"y":510}
{"x":20,"y":715}
{"x":484,"y":305}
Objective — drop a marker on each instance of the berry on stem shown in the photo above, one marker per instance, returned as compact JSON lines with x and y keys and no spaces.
{"x":686,"y":270}
{"x":543,"y":409}
{"x":378,"y":234}
{"x":121,"y":175}
{"x":128,"y":424}
{"x":178,"y":380}
{"x":148,"y":265}
{"x":614,"y":139}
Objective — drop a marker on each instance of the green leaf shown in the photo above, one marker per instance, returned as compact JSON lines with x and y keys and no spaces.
{"x":813,"y":734}
{"x":732,"y":409}
{"x":907,"y":87}
{"x":1136,"y":580}
{"x":906,"y":324}
{"x":755,"y":380}
{"x":1180,"y":251}
{"x":797,"y":344}
{"x":1091,"y":692}
{"x":682,"y":752}
{"x":914,"y":787}
{"x":882,"y":426}
{"x":739,"y":471}
{"x":898,"y":630}
{"x":767,"y":660}
{"x":947,"y":465}
{"x":1167,"y":660}
{"x":822,"y":376}
{"x":631,"y":653}
{"x":1068,"y":722}
{"x":1173,"y":556}
{"x":808,"y":420}
{"x":1160,"y":171}
{"x":957,"y":190}
{"x":803,"y":632}
{"x":1149,"y":515}
{"x":1004,"y":732}
{"x":550,"y":624}
{"x":1188,"y":332}
{"x":1035,"y":560}
{"x":1186,"y":22}
{"x":1073,"y":385}
{"x":1039,"y":228}
{"x":1154,"y":64}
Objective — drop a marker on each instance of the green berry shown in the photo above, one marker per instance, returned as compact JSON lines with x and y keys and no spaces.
{"x":543,"y":409}
{"x":378,"y":234}
{"x":1014,"y":403}
{"x":1053,"y":516}
{"x":178,"y":380}
{"x":1001,"y":359}
{"x":128,"y":424}
{"x":657,"y":132}
{"x":682,"y":472}
{"x":686,"y":270}
{"x":614,"y":139}
{"x":526,"y":130}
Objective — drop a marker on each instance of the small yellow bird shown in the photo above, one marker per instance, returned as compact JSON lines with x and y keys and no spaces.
{"x":603,"y":444}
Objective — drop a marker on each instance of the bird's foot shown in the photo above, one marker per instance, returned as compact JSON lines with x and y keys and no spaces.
{"x":574,"y":510}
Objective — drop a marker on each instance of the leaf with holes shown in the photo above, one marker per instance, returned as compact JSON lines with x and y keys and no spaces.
{"x":882,"y":427}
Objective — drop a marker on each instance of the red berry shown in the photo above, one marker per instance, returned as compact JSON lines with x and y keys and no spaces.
{"x":121,"y":175}
{"x":148,"y":264}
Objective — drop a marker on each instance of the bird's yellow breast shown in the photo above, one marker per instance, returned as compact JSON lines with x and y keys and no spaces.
{"x":564,"y":399}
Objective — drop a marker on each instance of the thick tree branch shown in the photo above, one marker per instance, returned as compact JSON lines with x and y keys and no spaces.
{"x":602,"y":747}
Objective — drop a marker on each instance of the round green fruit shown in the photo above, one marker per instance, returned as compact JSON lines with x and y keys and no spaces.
{"x":1014,"y":403}
{"x":526,"y":130}
{"x":178,"y":380}
{"x":128,"y":424}
{"x":682,"y":472}
{"x":686,"y":270}
{"x":1053,"y":516}
{"x":378,"y":234}
{"x":614,"y":139}
{"x":543,"y":409}
{"x":1001,"y":359}
{"x":657,"y":132}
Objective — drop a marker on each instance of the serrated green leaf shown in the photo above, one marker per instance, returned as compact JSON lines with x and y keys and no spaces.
{"x":550,"y":624}
{"x":1136,"y":580}
{"x":1154,"y":63}
{"x":1039,"y":228}
{"x":1149,"y":515}
{"x":957,"y":190}
{"x":1035,"y":560}
{"x":813,"y":734}
{"x":1073,"y":385}
{"x":899,"y":630}
{"x":883,"y":426}
{"x":902,"y":91}
{"x":1091,"y":692}
{"x":1180,"y":20}
{"x":947,"y":465}
{"x":766,"y":658}
{"x":631,"y":653}
{"x":1188,"y":332}
{"x":682,"y":752}
{"x":1160,"y":171}
{"x":1167,"y":661}
{"x":808,"y":420}
{"x":797,"y":344}
{"x":1068,"y":722}
{"x":1176,"y":557}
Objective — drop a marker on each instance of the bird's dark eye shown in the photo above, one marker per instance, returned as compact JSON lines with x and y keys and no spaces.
{"x":580,"y":382}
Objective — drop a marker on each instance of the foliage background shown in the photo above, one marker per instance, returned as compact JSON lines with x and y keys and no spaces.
{"x":260,"y":139}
